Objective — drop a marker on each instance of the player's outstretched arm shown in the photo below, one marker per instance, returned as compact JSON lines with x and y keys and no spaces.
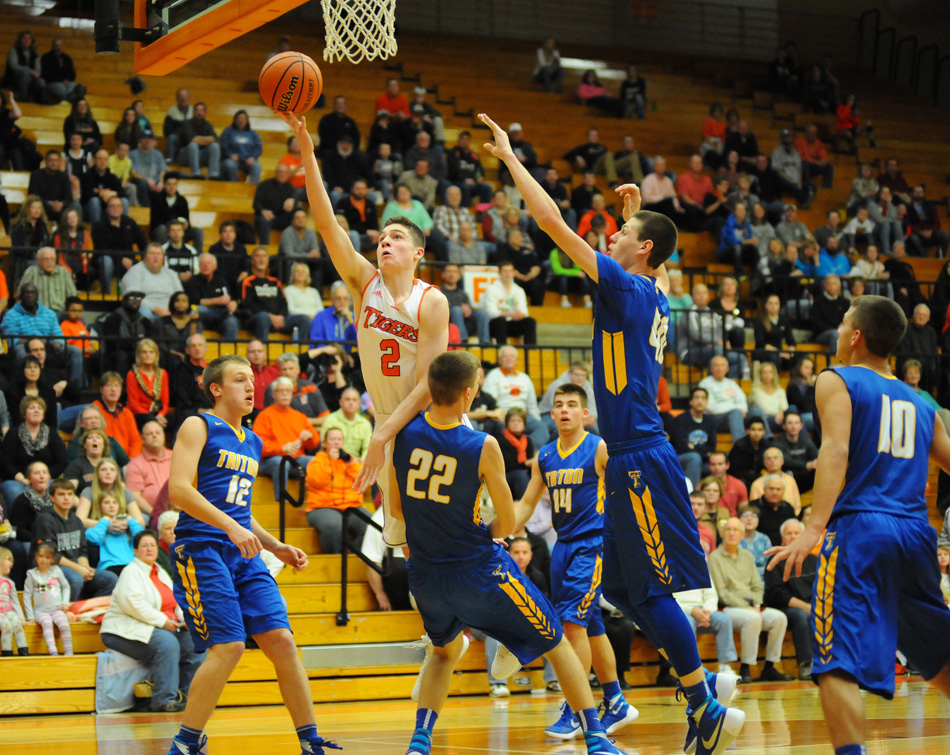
{"x":181,"y":491}
{"x":433,"y":340}
{"x":289,"y":554}
{"x":834,"y":407}
{"x":353,"y":268}
{"x":491,"y":468}
{"x":542,"y":207}
{"x":524,"y":509}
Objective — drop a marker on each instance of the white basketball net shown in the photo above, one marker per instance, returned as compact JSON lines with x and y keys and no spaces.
{"x":359,"y":29}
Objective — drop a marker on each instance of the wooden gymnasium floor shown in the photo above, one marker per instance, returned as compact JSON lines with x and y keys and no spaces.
{"x":783,"y":719}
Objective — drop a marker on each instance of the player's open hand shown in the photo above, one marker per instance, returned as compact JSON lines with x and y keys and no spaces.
{"x":245,"y":540}
{"x":794,"y":553}
{"x":292,"y":556}
{"x":372,"y":465}
{"x":299,"y":127}
{"x":631,"y":199}
{"x":502,"y":147}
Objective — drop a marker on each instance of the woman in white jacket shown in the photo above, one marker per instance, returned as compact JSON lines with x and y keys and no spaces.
{"x":144,"y":622}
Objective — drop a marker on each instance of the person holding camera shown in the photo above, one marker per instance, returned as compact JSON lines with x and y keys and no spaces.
{"x":329,"y":484}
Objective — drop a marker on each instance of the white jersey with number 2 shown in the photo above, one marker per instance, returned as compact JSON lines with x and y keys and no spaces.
{"x":387,"y":333}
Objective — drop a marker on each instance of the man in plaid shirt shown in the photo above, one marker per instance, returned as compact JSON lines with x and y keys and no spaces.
{"x":449,"y":216}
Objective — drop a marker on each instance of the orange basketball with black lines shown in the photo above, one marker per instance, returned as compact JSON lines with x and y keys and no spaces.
{"x":290,"y":82}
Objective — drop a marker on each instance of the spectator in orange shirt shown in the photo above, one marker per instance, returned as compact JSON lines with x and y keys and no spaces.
{"x":692,"y":188}
{"x":120,"y":422}
{"x":393,"y":102}
{"x":285,"y":432}
{"x":4,"y":292}
{"x":814,"y":156}
{"x":598,"y":207}
{"x":294,"y":161}
{"x":330,"y":478}
{"x":848,"y":126}
{"x":75,"y":330}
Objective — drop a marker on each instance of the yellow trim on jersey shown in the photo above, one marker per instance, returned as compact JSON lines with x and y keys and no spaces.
{"x":519,"y":596}
{"x":585,"y":605}
{"x":650,"y":529}
{"x":572,"y":449}
{"x":477,"y":516}
{"x":883,"y":375}
{"x":824,"y":604}
{"x":238,"y":431}
{"x":190,"y":582}
{"x":441,"y":427}
{"x":601,"y":495}
{"x":615,"y":362}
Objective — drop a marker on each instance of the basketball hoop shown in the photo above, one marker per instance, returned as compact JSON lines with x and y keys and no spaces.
{"x":359,"y":29}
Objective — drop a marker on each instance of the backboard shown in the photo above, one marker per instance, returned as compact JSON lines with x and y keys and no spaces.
{"x":196,"y":27}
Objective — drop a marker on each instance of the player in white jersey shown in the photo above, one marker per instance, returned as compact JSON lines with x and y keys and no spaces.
{"x":402,"y":325}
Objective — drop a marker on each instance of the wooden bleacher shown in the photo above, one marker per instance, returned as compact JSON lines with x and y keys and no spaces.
{"x":225,"y":80}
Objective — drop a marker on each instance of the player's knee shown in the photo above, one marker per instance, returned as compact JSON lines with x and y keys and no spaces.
{"x":276,"y":642}
{"x":227,"y":652}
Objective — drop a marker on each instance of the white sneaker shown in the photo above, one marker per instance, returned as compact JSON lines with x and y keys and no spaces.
{"x":505,"y":664}
{"x":499,"y":690}
{"x":566,"y":304}
{"x":414,"y":695}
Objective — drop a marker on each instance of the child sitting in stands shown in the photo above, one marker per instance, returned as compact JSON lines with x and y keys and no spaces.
{"x":46,"y":599}
{"x":113,"y":533}
{"x":11,"y":615}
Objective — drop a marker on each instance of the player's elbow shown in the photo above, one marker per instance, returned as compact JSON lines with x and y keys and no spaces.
{"x":504,"y":524}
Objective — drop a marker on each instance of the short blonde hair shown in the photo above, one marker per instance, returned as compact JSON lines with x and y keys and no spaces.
{"x":143,"y":344}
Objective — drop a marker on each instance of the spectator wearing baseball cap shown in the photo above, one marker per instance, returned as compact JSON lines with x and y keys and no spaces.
{"x":148,"y":168}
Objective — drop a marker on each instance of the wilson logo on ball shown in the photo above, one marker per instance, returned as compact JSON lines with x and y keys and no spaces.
{"x":288,"y":95}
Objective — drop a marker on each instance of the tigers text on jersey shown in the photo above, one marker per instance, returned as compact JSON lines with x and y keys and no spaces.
{"x":630,"y":324}
{"x":388,"y":337}
{"x":577,"y":503}
{"x":888,"y":456}
{"x":226,"y":471}
{"x":437,"y":472}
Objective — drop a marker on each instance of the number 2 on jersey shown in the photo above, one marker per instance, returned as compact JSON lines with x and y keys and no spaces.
{"x":898,"y":428}
{"x":389,"y":362}
{"x":238,"y":489}
{"x":423,"y":465}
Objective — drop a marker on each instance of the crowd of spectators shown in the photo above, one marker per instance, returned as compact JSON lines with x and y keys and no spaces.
{"x":101,"y":500}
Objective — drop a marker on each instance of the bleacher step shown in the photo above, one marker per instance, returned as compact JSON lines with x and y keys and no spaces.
{"x":387,"y":654}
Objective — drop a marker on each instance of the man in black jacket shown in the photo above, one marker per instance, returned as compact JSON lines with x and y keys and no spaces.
{"x":274,"y":203}
{"x":168,"y":206}
{"x":334,"y":126}
{"x":61,"y":528}
{"x":113,"y":233}
{"x":211,"y":294}
{"x":234,"y":264}
{"x":98,"y":186}
{"x":263,"y":305}
{"x":59,"y":73}
{"x":188,"y":396}
{"x":465,"y":171}
{"x":793,"y":598}
{"x":342,"y":167}
{"x":198,"y":144}
{"x":801,"y":455}
{"x":55,"y":371}
{"x":51,"y":184}
{"x":827,"y":312}
{"x":125,"y":326}
{"x":361,"y":217}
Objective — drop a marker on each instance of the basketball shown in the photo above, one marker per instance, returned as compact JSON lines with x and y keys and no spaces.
{"x":290,"y":82}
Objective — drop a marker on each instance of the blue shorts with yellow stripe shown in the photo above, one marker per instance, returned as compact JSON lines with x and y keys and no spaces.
{"x":224,"y":596}
{"x":576,"y":570}
{"x":491,"y":595}
{"x":877,"y":590}
{"x":651,"y":539}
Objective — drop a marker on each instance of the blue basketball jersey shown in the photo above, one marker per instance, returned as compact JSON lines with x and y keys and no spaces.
{"x":577,"y":493}
{"x":437,"y":473}
{"x":891,"y":432}
{"x":226,"y":471}
{"x":630,"y":324}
